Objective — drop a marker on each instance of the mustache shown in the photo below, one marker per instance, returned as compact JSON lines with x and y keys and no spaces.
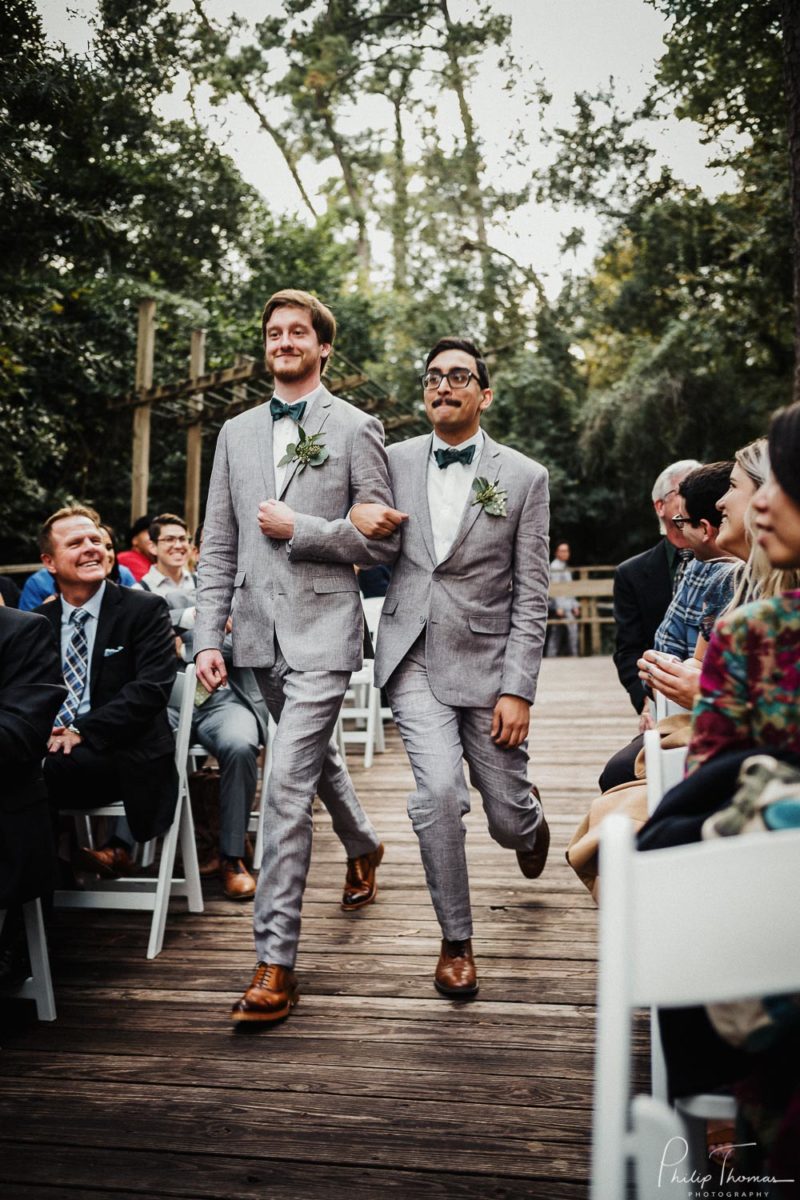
{"x":440,"y":400}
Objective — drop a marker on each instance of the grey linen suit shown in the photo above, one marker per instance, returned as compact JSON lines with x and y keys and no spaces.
{"x":298,"y":621}
{"x":455,"y":636}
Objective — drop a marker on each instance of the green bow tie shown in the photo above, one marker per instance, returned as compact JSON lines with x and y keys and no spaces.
{"x":279,"y":409}
{"x":445,"y":457}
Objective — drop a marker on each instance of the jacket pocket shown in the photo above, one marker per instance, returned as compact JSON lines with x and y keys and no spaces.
{"x":324,"y":585}
{"x":239,"y":578}
{"x":483,"y":623}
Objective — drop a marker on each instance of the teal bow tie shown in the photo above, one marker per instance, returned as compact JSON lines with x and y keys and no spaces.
{"x":445,"y":457}
{"x":279,"y":409}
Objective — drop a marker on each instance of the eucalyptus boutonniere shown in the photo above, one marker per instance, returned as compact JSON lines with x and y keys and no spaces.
{"x":491,"y":498}
{"x":308,"y":451}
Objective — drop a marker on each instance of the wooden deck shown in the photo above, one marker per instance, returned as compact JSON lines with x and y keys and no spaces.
{"x":375,"y":1086}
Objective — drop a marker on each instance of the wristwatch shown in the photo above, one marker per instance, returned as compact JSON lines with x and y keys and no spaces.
{"x":73,"y":729}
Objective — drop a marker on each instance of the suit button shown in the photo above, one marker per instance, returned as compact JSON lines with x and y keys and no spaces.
{"x":422,"y":620}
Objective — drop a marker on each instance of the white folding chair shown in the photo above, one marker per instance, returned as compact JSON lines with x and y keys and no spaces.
{"x":257,"y":816}
{"x":712,"y":921}
{"x":39,"y":985}
{"x":665,"y":707}
{"x":361,"y":707}
{"x":153,"y":895}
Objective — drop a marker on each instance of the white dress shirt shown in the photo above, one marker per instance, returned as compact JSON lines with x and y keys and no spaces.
{"x":449,"y":490}
{"x":92,"y":607}
{"x":284,"y":431}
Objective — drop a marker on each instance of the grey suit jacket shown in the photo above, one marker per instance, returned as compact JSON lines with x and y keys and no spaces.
{"x":306,"y":591}
{"x":485,"y":604}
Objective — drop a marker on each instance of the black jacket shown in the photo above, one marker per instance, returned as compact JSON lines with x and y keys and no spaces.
{"x":642,"y":593}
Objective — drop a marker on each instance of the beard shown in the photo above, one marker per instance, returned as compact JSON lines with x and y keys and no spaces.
{"x":293,"y":368}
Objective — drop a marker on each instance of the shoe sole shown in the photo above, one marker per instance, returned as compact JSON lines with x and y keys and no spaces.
{"x":540,"y":861}
{"x":238,"y":899}
{"x":456,"y":993}
{"x":238,"y":1017}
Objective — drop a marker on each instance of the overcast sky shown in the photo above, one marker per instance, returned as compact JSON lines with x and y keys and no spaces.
{"x":574,"y":45}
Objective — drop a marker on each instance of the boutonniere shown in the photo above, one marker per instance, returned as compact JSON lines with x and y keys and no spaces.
{"x":308,"y":451}
{"x":491,"y":498}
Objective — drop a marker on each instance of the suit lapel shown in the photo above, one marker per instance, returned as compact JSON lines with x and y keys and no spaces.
{"x":265,"y":452}
{"x":420,"y":488}
{"x":105,"y":625}
{"x":488,"y":467}
{"x":318,"y":416}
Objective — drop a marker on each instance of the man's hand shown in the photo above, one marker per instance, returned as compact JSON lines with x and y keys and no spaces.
{"x":211,"y":670}
{"x":376,"y":520}
{"x":276,"y":520}
{"x":678,"y":681}
{"x":646,"y":717}
{"x":63,"y":740}
{"x":510,"y":721}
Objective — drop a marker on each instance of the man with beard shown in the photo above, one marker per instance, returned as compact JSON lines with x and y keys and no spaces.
{"x":282,"y":569}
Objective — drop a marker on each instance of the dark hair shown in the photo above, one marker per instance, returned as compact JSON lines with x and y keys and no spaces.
{"x":453,"y":343}
{"x":784,"y":449}
{"x":164,"y":519}
{"x":198,"y":533}
{"x":71,"y":510}
{"x":113,"y":574}
{"x":702,"y":488}
{"x":142,"y":525}
{"x":322,"y":319}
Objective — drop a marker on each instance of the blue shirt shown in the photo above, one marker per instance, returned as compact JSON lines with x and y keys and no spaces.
{"x":703,"y":583}
{"x":92,"y":607}
{"x":41,"y":585}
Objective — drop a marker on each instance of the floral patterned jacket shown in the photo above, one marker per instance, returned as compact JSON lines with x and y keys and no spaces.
{"x":750,"y":683}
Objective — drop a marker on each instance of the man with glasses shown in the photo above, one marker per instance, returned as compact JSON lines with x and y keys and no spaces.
{"x":461,"y":637}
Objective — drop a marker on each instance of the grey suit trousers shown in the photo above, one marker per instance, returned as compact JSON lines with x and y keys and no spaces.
{"x":305,"y":763}
{"x":438,"y":738}
{"x":229,"y":730}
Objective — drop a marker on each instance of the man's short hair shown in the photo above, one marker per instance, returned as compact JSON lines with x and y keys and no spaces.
{"x":468,"y":347}
{"x":322,"y":319}
{"x":702,"y":488}
{"x":142,"y":525}
{"x":666,"y":480}
{"x":71,"y":510}
{"x":157,"y":524}
{"x":198,"y":533}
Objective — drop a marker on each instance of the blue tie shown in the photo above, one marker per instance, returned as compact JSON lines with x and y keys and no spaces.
{"x":279,"y":409}
{"x":445,"y":457}
{"x":75,"y":665}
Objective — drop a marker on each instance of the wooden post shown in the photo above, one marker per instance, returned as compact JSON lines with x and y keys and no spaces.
{"x":140,"y":468}
{"x":194,"y":435}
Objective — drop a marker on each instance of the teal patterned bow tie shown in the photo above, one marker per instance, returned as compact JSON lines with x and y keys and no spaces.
{"x":279,"y":409}
{"x":445,"y":457}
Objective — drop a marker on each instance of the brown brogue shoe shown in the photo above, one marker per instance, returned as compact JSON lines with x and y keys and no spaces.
{"x":455,"y":971}
{"x":360,"y":885}
{"x":237,"y":882}
{"x":110,"y":863}
{"x":271,"y":996}
{"x":532,"y":862}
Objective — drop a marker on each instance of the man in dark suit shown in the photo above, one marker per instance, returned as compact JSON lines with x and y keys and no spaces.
{"x":643,"y":585}
{"x":111,"y":737}
{"x":31,"y":692}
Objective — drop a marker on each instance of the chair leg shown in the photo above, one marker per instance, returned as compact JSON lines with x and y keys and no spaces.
{"x":42,"y":989}
{"x":258,"y":853}
{"x":164,"y":883}
{"x":372,"y":724}
{"x":191,"y":871}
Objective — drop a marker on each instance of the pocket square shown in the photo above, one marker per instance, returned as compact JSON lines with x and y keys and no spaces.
{"x":109,"y":650}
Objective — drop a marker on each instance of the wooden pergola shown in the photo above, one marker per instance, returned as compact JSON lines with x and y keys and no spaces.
{"x":203,"y":401}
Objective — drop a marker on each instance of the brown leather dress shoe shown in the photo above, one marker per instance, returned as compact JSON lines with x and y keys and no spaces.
{"x":531,"y":862}
{"x":455,"y":971}
{"x":110,"y":863}
{"x":360,"y":885}
{"x":237,"y":882}
{"x":271,"y":995}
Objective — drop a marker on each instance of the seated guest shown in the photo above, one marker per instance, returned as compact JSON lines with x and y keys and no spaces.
{"x":111,"y":737}
{"x":31,"y":692}
{"x":644,"y":584}
{"x":9,"y":592}
{"x":41,"y":586}
{"x":170,"y":542}
{"x":140,"y":557}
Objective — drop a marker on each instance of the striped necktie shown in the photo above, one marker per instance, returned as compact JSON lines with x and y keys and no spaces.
{"x":76,"y":662}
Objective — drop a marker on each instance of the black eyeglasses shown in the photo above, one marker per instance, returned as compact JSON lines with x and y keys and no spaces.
{"x":173,"y":541}
{"x":679,"y":522}
{"x":457,"y":377}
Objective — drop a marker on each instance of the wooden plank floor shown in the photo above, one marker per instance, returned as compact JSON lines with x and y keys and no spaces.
{"x":375,"y":1086}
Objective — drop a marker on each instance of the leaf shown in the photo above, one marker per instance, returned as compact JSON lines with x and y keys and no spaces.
{"x":323,"y":454}
{"x":480,"y":483}
{"x":291,"y":450}
{"x":302,"y":433}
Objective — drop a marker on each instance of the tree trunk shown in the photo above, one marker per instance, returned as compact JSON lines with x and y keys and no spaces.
{"x":400,"y":202}
{"x":790,"y":24}
{"x":354,"y":196}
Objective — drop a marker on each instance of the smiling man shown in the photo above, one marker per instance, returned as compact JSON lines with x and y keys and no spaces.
{"x":111,"y":737}
{"x":278,"y":558}
{"x":461,"y":636}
